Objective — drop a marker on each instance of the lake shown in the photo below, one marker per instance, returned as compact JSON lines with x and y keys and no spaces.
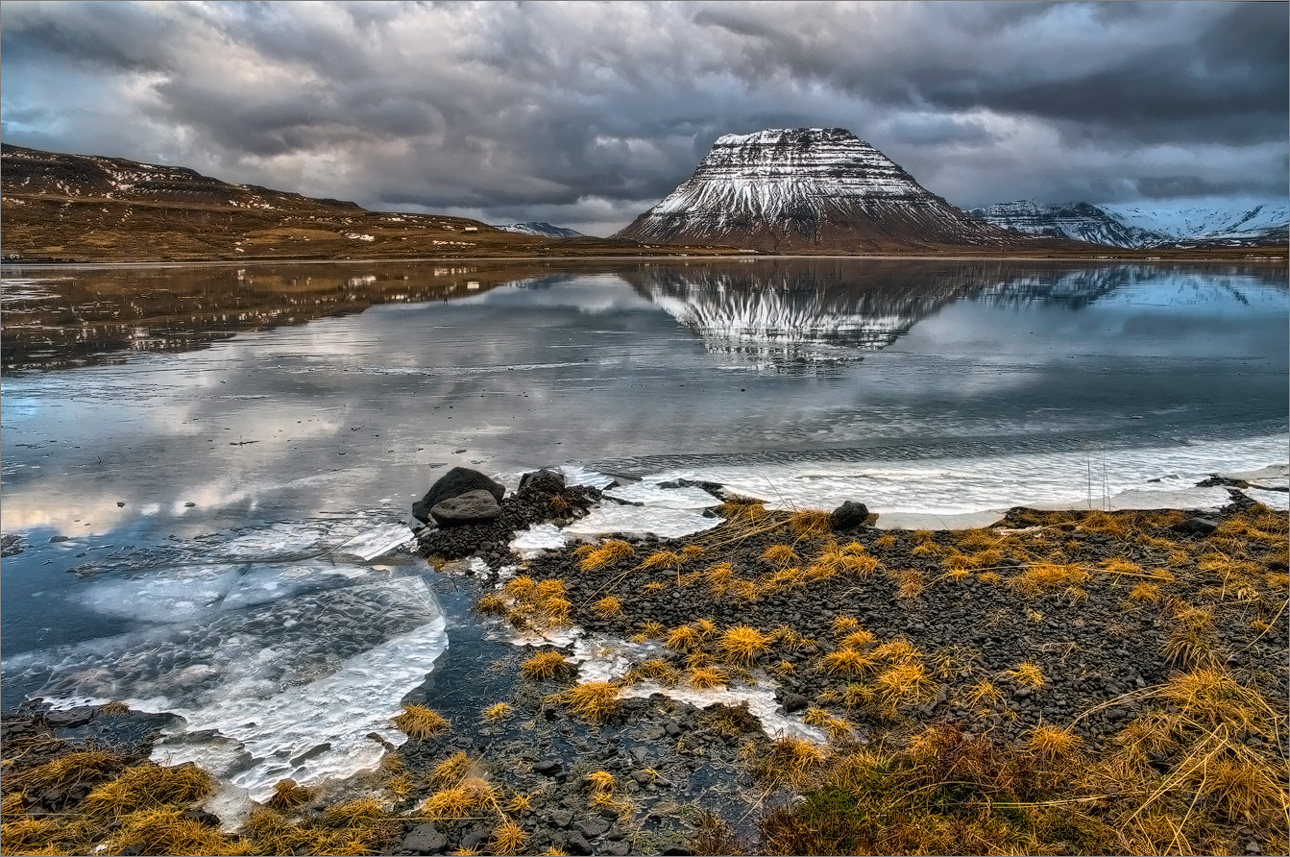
{"x":205,"y":466}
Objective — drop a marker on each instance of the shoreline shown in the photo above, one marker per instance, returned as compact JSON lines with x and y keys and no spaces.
{"x":1280,"y":259}
{"x":920,"y":588}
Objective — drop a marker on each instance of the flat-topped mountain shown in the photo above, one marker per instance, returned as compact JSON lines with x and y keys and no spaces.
{"x":808,"y":190}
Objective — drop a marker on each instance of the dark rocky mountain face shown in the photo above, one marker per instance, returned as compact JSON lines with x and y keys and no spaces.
{"x":807,"y":190}
{"x":540,"y":228}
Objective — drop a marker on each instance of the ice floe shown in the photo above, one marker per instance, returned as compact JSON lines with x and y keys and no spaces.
{"x":534,"y":540}
{"x":652,"y":494}
{"x":377,"y":542}
{"x":641,"y":520}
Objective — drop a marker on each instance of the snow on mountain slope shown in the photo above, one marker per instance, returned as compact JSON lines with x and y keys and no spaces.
{"x":1077,"y":221}
{"x":806,"y":189}
{"x":541,"y":229}
{"x":1206,"y":222}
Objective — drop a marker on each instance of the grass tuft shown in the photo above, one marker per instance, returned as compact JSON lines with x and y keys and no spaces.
{"x":148,"y":787}
{"x":608,"y":607}
{"x":546,"y":665}
{"x":593,"y":701}
{"x":743,"y":644}
{"x":610,"y":552}
{"x":288,"y":794}
{"x":419,"y":722}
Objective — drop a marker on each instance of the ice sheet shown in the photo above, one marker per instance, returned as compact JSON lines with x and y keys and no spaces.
{"x":576,"y":474}
{"x":1272,"y":476}
{"x":531,"y":542}
{"x":1087,"y":479}
{"x":639,"y":520}
{"x":1279,"y":500}
{"x":650,"y":494}
{"x":377,"y":542}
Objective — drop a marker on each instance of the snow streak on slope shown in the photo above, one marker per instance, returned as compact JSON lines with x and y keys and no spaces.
{"x":1077,"y":221}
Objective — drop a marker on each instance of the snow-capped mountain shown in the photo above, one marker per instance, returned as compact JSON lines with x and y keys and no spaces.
{"x":1240,"y":226}
{"x":803,"y":190}
{"x":1144,"y":226}
{"x":1077,"y":221}
{"x":539,"y":228}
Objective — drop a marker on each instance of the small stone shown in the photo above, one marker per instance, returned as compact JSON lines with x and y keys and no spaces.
{"x":1253,"y":847}
{"x":1195,"y":527}
{"x":473,"y":507}
{"x":794,"y":702}
{"x":593,"y":827}
{"x":576,"y":843}
{"x":547,"y":768}
{"x":562,"y":818}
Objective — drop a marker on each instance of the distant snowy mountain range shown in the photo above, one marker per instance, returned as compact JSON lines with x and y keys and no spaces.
{"x":1144,"y":226}
{"x":543,"y":230}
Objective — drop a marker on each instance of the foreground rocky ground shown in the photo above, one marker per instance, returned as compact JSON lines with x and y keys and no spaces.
{"x":1063,"y":682}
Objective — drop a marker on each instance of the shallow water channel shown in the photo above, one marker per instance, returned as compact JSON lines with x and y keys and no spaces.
{"x":207,"y":470}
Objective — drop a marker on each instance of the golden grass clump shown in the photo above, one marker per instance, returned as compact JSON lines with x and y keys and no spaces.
{"x":654,"y":587}
{"x":114,"y":707}
{"x":693,"y":551}
{"x":670,"y":560}
{"x":990,"y":577}
{"x":814,"y":716}
{"x":703,"y":678}
{"x":608,"y":607}
{"x":983,"y":693}
{"x":682,"y":639}
{"x":659,"y":670}
{"x":1105,"y":524}
{"x":1052,"y":743}
{"x":651,"y":629}
{"x":593,"y":701}
{"x":912,"y":584}
{"x":453,"y":770}
{"x":419,"y":722}
{"x":847,"y":662}
{"x":520,"y":586}
{"x":1045,"y":577}
{"x":746,"y":510}
{"x":148,"y":787}
{"x":810,"y":523}
{"x":898,"y":650}
{"x":1191,"y":642}
{"x":288,"y":794}
{"x":600,"y":781}
{"x":497,"y":712}
{"x":743,"y":644}
{"x":553,"y":588}
{"x":401,"y":785}
{"x":353,"y":812}
{"x":779,"y":555}
{"x":166,"y":831}
{"x":491,"y":603}
{"x":788,"y":760}
{"x":1145,"y":593}
{"x":72,"y":769}
{"x":885,"y":542}
{"x":857,"y":639}
{"x":1027,"y":674}
{"x":546,"y":665}
{"x":845,"y":624}
{"x":902,"y":684}
{"x":450,"y":804}
{"x":509,"y":838}
{"x":610,"y":552}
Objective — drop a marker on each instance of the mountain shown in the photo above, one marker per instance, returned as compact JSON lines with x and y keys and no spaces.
{"x":1077,"y":221}
{"x":1140,"y":227}
{"x":539,"y":228}
{"x":807,"y":190}
{"x":1218,"y":225}
{"x":84,"y":208}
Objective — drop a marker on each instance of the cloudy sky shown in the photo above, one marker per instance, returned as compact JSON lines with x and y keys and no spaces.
{"x":586,"y":114}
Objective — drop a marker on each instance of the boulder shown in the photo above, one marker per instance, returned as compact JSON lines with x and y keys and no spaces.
{"x":849,"y":516}
{"x":473,"y":507}
{"x":425,"y":839}
{"x":1195,"y":527}
{"x":546,"y":481}
{"x":454,"y":483}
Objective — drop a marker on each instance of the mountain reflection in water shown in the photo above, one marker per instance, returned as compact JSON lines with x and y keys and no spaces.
{"x":794,"y":315}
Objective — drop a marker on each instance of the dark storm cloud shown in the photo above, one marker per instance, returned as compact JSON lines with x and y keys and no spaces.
{"x":588,"y":113}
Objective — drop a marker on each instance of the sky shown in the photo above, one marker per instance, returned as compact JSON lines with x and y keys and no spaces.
{"x":587,"y":114}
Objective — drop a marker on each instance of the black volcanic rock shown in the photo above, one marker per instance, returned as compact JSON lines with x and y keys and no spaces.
{"x":807,"y":190}
{"x":454,"y":483}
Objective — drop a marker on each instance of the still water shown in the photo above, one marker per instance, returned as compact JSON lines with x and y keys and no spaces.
{"x":202,"y":465}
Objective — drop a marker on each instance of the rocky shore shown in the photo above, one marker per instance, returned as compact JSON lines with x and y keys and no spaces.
{"x":1060,"y":682}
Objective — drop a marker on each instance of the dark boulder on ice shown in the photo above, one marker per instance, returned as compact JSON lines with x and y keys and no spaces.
{"x":1195,"y":527}
{"x":454,"y":483}
{"x":849,"y":516}
{"x":473,"y":507}
{"x":544,"y":481}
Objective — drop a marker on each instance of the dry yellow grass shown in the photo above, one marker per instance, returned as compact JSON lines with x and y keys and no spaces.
{"x":703,"y":678}
{"x":419,"y":722}
{"x":148,"y":787}
{"x":609,"y":607}
{"x":288,"y":794}
{"x":491,"y":603}
{"x":1027,"y":674}
{"x":1145,"y":593}
{"x":1051,"y":742}
{"x":546,"y":665}
{"x":593,"y":701}
{"x":857,"y":640}
{"x":600,"y":781}
{"x":663,"y":559}
{"x":743,"y":644}
{"x":1045,"y":577}
{"x":905,"y":683}
{"x":845,"y":624}
{"x":810,"y":523}
{"x":497,"y":712}
{"x":610,"y":552}
{"x":682,"y":639}
{"x":847,"y":662}
{"x":509,"y":838}
{"x":912,"y":584}
{"x":779,"y":555}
